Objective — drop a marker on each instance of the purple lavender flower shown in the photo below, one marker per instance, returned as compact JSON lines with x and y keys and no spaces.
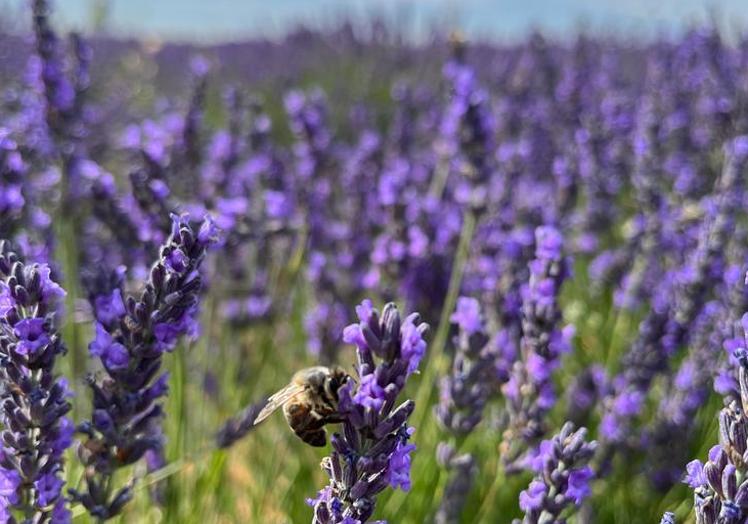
{"x":474,"y":377}
{"x":720,"y":486}
{"x":64,"y":89}
{"x":529,"y":391}
{"x":238,"y":426}
{"x":647,"y":160}
{"x":589,"y":385}
{"x":58,"y":90}
{"x":667,"y":326}
{"x":718,"y":496}
{"x":36,"y":432}
{"x":329,"y":235}
{"x":125,"y":423}
{"x":562,"y":478}
{"x":688,"y":391}
{"x":373,"y":450}
{"x":187,"y":156}
{"x":12,"y":172}
{"x":463,"y":470}
{"x":464,"y":392}
{"x":468,"y":129}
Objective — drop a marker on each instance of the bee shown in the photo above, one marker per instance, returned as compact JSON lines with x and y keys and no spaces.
{"x":309,"y":402}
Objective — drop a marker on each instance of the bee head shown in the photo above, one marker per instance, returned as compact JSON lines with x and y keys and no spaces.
{"x":338,"y":377}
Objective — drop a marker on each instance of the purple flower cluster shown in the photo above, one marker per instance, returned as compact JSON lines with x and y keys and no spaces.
{"x":464,"y":393}
{"x":530,"y":392}
{"x":720,"y":487}
{"x":373,"y":451}
{"x":587,"y":388}
{"x":319,"y":173}
{"x":718,"y":494}
{"x":562,"y":477}
{"x":463,"y":470}
{"x":132,"y":334}
{"x":730,"y":330}
{"x":237,"y":427}
{"x":36,"y":431}
{"x":474,"y":376}
{"x":12,"y":173}
{"x":689,"y":388}
{"x":468,"y":131}
{"x":65,"y":83}
{"x":668,"y":325}
{"x":473,"y":180}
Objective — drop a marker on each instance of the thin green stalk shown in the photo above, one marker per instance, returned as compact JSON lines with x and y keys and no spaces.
{"x":498,"y":478}
{"x":178,"y":412}
{"x":437,"y":359}
{"x":439,"y":182}
{"x":288,"y":278}
{"x":74,"y":366}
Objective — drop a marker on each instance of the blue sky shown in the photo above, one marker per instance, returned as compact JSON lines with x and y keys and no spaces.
{"x":223,"y":20}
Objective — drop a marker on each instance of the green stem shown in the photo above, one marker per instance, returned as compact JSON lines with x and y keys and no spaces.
{"x":177,"y":413}
{"x":491,"y":495}
{"x":437,"y":360}
{"x":67,"y":254}
{"x":439,"y":182}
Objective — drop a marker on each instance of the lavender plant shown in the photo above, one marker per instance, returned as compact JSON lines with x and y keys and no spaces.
{"x":468,"y":130}
{"x":36,"y":431}
{"x":12,"y":171}
{"x":720,"y":489}
{"x":667,"y":326}
{"x":464,"y":392}
{"x":237,"y":427}
{"x":474,"y":376}
{"x":373,"y":451}
{"x":132,"y":335}
{"x":634,"y":152}
{"x":530,"y":392}
{"x":562,"y":478}
{"x":64,"y":88}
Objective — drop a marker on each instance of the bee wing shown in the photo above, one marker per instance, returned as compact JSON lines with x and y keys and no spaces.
{"x":280,"y":398}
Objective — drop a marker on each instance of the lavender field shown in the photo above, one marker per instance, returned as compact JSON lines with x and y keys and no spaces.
{"x":344,"y":277}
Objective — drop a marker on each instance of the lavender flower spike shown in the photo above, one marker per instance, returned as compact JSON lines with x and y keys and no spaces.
{"x":465,"y":391}
{"x":667,"y":329}
{"x":464,"y":394}
{"x":373,"y":450}
{"x":238,"y":426}
{"x":562,"y":478}
{"x":720,"y":485}
{"x":468,"y":128}
{"x":131,"y":337}
{"x":36,"y":432}
{"x":462,"y":475}
{"x":529,"y":392}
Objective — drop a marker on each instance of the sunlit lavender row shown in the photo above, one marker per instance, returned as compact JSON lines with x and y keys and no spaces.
{"x":346,"y":278}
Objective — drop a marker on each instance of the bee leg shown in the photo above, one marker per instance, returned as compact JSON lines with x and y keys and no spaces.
{"x":335,"y":418}
{"x":317,"y":438}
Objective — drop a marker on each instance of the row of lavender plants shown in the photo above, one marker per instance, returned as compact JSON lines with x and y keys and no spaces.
{"x":567,"y":217}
